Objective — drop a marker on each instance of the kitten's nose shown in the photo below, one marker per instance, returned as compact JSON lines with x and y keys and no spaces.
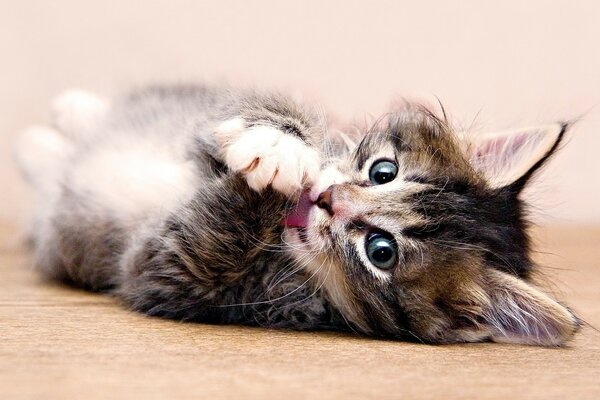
{"x":324,"y":200}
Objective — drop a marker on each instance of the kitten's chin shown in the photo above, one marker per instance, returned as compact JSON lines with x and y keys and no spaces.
{"x":297,"y":239}
{"x":303,"y":239}
{"x":299,"y":234}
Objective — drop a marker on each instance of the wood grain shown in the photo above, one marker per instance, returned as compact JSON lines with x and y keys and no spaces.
{"x":61,"y":343}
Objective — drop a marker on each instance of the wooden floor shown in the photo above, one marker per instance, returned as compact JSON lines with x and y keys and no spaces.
{"x":60,"y":343}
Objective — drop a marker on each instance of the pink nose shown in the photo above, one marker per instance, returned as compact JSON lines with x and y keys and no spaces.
{"x":325,"y":200}
{"x":335,"y":200}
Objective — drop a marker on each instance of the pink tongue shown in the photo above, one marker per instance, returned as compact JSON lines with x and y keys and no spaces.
{"x":298,"y":217}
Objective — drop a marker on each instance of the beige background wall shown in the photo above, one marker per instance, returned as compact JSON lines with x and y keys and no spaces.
{"x":509,"y":63}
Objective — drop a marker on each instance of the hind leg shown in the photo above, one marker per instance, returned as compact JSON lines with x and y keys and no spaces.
{"x":41,"y":152}
{"x":77,"y":113}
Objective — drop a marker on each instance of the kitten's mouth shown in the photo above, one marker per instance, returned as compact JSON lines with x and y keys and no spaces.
{"x":302,"y":234}
{"x":298,"y":216}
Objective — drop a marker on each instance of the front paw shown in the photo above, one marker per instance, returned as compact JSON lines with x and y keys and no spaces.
{"x":267,"y":156}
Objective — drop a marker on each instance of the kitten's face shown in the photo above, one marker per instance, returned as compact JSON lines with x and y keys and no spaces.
{"x":409,"y":240}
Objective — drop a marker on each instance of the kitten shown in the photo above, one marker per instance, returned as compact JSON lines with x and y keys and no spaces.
{"x":187,"y":202}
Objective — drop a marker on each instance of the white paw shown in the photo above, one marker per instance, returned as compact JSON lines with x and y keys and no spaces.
{"x":76,"y":112}
{"x":267,"y":156}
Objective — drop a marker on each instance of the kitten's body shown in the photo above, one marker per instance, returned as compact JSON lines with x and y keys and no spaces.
{"x":174,"y":197}
{"x":143,"y":206}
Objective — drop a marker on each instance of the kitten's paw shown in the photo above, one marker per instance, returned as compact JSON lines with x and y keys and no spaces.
{"x":76,"y":112}
{"x":268,"y":156}
{"x":41,"y":152}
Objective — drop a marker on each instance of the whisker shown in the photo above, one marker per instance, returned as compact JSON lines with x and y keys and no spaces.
{"x":296,"y":265}
{"x":270,"y":301}
{"x":318,"y":270}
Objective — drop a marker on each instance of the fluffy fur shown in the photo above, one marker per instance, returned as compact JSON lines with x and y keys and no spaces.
{"x":173,"y":199}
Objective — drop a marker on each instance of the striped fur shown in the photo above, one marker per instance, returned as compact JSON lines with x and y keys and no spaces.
{"x":173,"y":199}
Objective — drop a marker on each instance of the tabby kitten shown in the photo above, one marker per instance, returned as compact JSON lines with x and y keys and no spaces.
{"x":229,"y":206}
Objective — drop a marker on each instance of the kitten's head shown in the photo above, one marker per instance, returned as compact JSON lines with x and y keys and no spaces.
{"x":421,"y":234}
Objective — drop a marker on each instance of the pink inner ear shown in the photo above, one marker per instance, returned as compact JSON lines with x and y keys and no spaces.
{"x":524,"y":322}
{"x":504,"y":158}
{"x":501,"y":148}
{"x":520,"y":313}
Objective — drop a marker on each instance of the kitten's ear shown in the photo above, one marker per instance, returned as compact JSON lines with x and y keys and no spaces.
{"x":511,"y":158}
{"x":520,"y":313}
{"x":346,"y":140}
{"x":349,"y":142}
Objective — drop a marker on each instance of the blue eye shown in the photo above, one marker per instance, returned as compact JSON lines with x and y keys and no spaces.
{"x":381,"y":250}
{"x":383,"y":171}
